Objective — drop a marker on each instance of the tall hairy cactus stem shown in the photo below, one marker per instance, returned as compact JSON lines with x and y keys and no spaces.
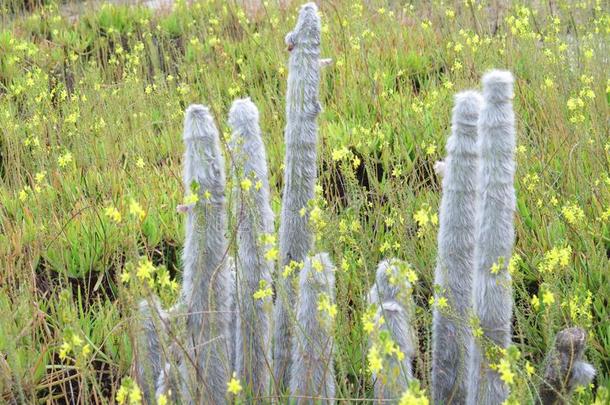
{"x":302,"y":109}
{"x":206,"y":278}
{"x":451,"y":336}
{"x":254,"y":222}
{"x":565,"y":368}
{"x":312,"y":376}
{"x":492,"y":285}
{"x":149,"y":350}
{"x":392,"y":295}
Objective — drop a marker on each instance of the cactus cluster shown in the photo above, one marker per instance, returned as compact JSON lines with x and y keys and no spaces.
{"x":475,"y":243}
{"x":228,"y":322}
{"x":225,"y":300}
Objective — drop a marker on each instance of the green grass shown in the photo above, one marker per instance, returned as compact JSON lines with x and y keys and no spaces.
{"x":109,"y":89}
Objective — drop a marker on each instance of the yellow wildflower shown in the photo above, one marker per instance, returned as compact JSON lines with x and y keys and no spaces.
{"x":374,"y":359}
{"x":86,"y":350}
{"x":136,"y":210}
{"x":145,"y":270}
{"x":65,"y":159}
{"x":573,"y":214}
{"x":191,"y":199}
{"x":555,"y":259}
{"x":246,"y":184}
{"x":23,"y":195}
{"x":40,"y":176}
{"x":340,"y":154}
{"x":324,"y":305}
{"x":504,"y":369}
{"x":264,"y":290}
{"x":535,"y":301}
{"x":499,"y":265}
{"x":125,"y":277}
{"x":271,"y":254}
{"x":291,"y":267}
{"x":234,"y":386}
{"x":513,"y":263}
{"x":76,"y":340}
{"x":529,"y":369}
{"x":122,"y":395}
{"x":413,"y":396}
{"x":317,"y":265}
{"x":135,"y":396}
{"x":268,"y":239}
{"x":368,"y":319}
{"x":548,"y":298}
{"x":65,"y":350}
{"x":114,"y":214}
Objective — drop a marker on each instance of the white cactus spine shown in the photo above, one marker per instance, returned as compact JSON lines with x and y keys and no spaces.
{"x":254,"y":222}
{"x":492,"y":289}
{"x":302,"y":109}
{"x":312,"y":375}
{"x":451,"y":335}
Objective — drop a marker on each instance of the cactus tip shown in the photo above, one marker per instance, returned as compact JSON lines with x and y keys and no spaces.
{"x":498,"y":85}
{"x":243,"y":113}
{"x":197,"y":110}
{"x":307,"y":29}
{"x":468,"y":105}
{"x":571,"y":340}
{"x":196,"y":118}
{"x":308,"y":7}
{"x":387,"y":271}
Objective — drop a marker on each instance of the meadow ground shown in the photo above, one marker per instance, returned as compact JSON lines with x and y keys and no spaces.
{"x":91,"y":112}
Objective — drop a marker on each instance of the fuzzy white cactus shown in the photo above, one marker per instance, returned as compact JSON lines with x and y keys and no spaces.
{"x":391,"y":293}
{"x":312,"y":375}
{"x":565,"y":368}
{"x":302,"y":109}
{"x":451,"y":336}
{"x":254,"y":220}
{"x":492,"y":285}
{"x":206,"y":279}
{"x":152,"y":321}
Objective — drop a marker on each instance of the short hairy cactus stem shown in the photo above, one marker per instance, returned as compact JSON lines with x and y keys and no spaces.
{"x":205,"y":287}
{"x":492,"y":285}
{"x":149,"y":350}
{"x":168,"y":383}
{"x":254,"y":228}
{"x":312,"y":375}
{"x":302,"y":109}
{"x":451,"y":336}
{"x":565,"y":368}
{"x":392,"y":295}
{"x":233,"y":310}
